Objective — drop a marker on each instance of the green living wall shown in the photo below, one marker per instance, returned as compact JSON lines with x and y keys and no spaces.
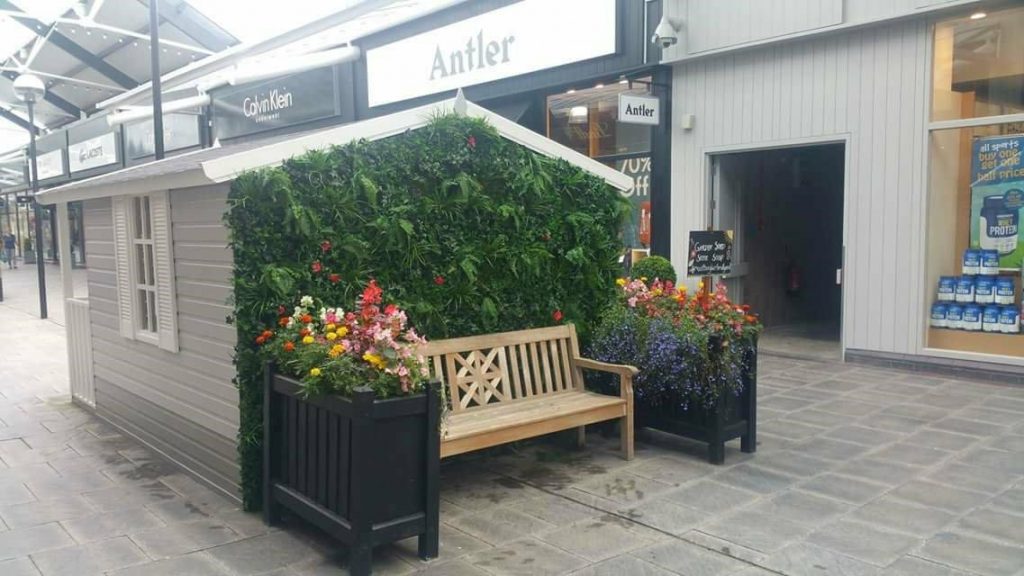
{"x":467,"y":231}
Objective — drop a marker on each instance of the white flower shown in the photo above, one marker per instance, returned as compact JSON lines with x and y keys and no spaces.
{"x":297,"y":312}
{"x":291,"y":322}
{"x":306,"y":301}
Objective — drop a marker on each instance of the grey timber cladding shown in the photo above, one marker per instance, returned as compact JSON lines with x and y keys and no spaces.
{"x":184,"y":405}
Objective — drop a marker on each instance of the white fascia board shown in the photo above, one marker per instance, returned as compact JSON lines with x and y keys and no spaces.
{"x":229,"y":167}
{"x":187,"y":179}
{"x":543,"y":145}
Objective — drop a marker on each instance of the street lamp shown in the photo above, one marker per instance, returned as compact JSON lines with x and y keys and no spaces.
{"x":30,"y":89}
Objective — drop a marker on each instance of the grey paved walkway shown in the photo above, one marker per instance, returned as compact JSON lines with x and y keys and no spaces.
{"x":859,"y":471}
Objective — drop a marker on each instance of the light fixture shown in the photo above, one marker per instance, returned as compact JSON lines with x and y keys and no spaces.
{"x":578,"y":115}
{"x":978,"y":15}
{"x":29,"y":88}
{"x":570,"y":91}
{"x":624,"y":81}
{"x":597,"y":86}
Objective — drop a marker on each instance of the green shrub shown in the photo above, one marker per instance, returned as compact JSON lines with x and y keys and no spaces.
{"x":654,"y":268}
{"x":466,"y":231}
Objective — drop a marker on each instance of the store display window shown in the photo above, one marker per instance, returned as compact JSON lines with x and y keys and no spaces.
{"x":975,"y":246}
{"x":587,"y":120}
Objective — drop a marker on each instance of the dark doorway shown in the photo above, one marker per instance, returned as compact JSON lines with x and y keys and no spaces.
{"x":786,"y":206}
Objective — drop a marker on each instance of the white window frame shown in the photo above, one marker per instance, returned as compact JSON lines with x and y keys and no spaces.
{"x":144,"y":268}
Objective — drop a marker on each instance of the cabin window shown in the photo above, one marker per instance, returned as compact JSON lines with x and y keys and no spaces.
{"x":145,"y":280}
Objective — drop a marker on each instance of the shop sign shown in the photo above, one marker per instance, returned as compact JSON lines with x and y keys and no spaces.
{"x":638,"y":229}
{"x":275,"y":104}
{"x":997,"y":198}
{"x":509,"y":41}
{"x":92,"y":153}
{"x":50,"y":164}
{"x":180,"y":131}
{"x":710,"y":253}
{"x":635,"y":109}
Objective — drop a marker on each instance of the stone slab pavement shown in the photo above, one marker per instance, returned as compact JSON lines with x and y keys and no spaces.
{"x":859,"y":471}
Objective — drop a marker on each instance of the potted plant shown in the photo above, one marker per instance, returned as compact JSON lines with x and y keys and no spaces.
{"x":351,"y":426}
{"x":697,"y":356}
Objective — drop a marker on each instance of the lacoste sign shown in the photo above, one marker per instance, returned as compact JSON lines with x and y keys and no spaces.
{"x":639,"y":109}
{"x":505,"y":42}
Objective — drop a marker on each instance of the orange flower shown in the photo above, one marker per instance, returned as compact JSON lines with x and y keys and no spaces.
{"x":304,"y":332}
{"x":306,"y":319}
{"x":260,"y":339}
{"x":267,"y":334}
{"x":289,"y":346}
{"x":283,"y":321}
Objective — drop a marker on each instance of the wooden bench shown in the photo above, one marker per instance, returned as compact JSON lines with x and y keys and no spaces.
{"x":516,"y":385}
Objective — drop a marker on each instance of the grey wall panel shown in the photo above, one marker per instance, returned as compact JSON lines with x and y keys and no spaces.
{"x":867,"y":86}
{"x":184,"y":404}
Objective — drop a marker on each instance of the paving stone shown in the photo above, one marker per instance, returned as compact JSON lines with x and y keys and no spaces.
{"x":1011,"y":501}
{"x":13,"y":491}
{"x":92,"y":558}
{"x":623,"y":487}
{"x":788,"y":404}
{"x":724,"y":547}
{"x":690,"y":559}
{"x":622,"y":566}
{"x":453,"y":568}
{"x":864,"y":542}
{"x":994,"y":524}
{"x":123,"y":497}
{"x":25,"y":541}
{"x":500,"y":525}
{"x":912,"y":566}
{"x":245,"y":524}
{"x":813,"y":417}
{"x":941,"y":440}
{"x":894,"y":514}
{"x":805,"y":559}
{"x":177,"y":510}
{"x":917,"y":411}
{"x":995,"y":459}
{"x":710,"y":496}
{"x":947,"y":400}
{"x":754,"y":478}
{"x":991,"y":415}
{"x":596,"y":539}
{"x":893,"y":422}
{"x":183,"y":538}
{"x":881,"y":471}
{"x":847,"y":407}
{"x":525,"y":557}
{"x":671,"y":470}
{"x":831,"y":449}
{"x":44,"y":511}
{"x":664,"y":515}
{"x":809,"y":393}
{"x":454,"y":543}
{"x":844,"y":488}
{"x":800,"y":507}
{"x":110,"y":524}
{"x":264,"y":553}
{"x":861,"y":435}
{"x":790,"y":429}
{"x":762,"y":532}
{"x":554,"y":509}
{"x":970,"y":427}
{"x":906,"y":453}
{"x":18,"y":567}
{"x":483,"y":492}
{"x":1003,"y":403}
{"x":198,"y":564}
{"x":973,"y":554}
{"x":938,"y":496}
{"x":967,"y":477}
{"x":796,"y":464}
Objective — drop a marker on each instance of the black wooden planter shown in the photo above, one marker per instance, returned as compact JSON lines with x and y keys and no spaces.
{"x":364,"y":470}
{"x":733,"y":417}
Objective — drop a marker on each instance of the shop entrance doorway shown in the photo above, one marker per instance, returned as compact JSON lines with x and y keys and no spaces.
{"x":785,"y":207}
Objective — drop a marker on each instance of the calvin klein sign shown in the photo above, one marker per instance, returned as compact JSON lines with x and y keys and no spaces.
{"x":509,"y":41}
{"x":275,"y":103}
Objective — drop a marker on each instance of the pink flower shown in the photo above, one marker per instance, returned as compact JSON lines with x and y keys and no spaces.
{"x":325,"y":246}
{"x":316,"y":267}
{"x":557,"y":315}
{"x":471,"y":142}
{"x":334,"y":278}
{"x":439,"y":280}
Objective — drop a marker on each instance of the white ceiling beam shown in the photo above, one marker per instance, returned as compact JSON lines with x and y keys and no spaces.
{"x":84,"y":23}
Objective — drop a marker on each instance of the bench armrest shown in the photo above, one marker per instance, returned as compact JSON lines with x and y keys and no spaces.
{"x":620,"y":369}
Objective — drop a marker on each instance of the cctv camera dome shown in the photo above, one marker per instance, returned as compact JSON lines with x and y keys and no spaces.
{"x":666,"y":34}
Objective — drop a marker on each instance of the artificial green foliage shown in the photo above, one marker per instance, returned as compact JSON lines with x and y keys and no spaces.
{"x":654,"y":268}
{"x":468,"y":232}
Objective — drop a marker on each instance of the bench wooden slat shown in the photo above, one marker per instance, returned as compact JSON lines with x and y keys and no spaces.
{"x":517,"y":384}
{"x":563,"y":345}
{"x":500,"y":416}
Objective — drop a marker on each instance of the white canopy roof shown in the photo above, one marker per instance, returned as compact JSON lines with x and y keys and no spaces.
{"x":211,"y":166}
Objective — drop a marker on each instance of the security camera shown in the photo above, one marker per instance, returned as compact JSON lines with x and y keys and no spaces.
{"x":666,"y":34}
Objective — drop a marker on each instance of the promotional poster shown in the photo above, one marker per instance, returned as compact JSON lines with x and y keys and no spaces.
{"x":997,"y":195}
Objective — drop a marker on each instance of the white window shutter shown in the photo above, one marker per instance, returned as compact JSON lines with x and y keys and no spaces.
{"x":163,"y":249}
{"x":123,"y":264}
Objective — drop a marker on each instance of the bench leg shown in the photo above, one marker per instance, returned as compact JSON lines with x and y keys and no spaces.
{"x":626,"y":435}
{"x":581,"y":437}
{"x":360,"y":560}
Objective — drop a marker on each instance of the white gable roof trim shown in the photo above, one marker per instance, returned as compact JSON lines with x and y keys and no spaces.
{"x":229,"y":166}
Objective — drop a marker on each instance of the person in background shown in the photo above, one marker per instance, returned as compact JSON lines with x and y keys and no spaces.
{"x":9,"y":243}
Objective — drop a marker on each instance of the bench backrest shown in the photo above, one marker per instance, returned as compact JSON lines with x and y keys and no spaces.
{"x":505,"y":367}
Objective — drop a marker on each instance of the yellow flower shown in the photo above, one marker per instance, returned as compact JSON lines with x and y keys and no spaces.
{"x":330,"y":327}
{"x":643,"y":278}
{"x":314,"y":372}
{"x":337,"y":350}
{"x":656,"y":291}
{"x":700,"y":285}
{"x":342,"y":331}
{"x":621,"y":281}
{"x":374,"y":360}
{"x":332,"y":336}
{"x":307,"y":339}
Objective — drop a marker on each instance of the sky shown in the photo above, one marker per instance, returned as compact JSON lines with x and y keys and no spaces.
{"x":260,"y":19}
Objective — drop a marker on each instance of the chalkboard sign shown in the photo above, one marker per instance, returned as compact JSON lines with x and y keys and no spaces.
{"x":710,"y":253}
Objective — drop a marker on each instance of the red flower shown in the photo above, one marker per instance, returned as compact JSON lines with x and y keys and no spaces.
{"x":557,"y":315}
{"x":267,"y":334}
{"x":316,"y":266}
{"x":439,"y":280}
{"x":372,"y":293}
{"x":334,"y":278}
{"x":283,"y":321}
{"x":306,"y":319}
{"x":325,"y":246}
{"x":304,"y":332}
{"x":390,"y":309}
{"x":281,"y":310}
{"x":260,"y":339}
{"x":471,"y":142}
{"x":289,"y":346}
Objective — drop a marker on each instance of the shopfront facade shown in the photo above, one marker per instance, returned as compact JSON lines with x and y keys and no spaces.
{"x":909,"y":114}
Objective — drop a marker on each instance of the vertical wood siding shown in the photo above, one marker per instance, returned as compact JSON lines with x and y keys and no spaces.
{"x":80,"y":351}
{"x":866,"y":85}
{"x":722,"y":23}
{"x":183,"y":404}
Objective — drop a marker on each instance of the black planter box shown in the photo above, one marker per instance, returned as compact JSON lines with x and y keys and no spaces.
{"x":364,"y":470}
{"x":732,"y":417}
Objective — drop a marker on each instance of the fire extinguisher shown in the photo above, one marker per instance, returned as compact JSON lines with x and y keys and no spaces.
{"x":792,"y":279}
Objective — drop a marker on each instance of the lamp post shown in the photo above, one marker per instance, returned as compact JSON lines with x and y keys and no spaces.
{"x":29,"y":89}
